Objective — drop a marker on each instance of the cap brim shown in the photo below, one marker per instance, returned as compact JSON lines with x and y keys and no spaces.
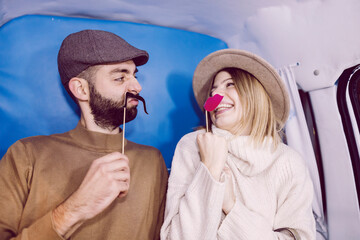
{"x":141,"y":59}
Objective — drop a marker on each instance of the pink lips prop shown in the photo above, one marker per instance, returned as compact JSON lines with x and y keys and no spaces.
{"x":212,"y":102}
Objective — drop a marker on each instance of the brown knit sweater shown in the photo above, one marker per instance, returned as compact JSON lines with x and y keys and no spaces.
{"x":39,"y":173}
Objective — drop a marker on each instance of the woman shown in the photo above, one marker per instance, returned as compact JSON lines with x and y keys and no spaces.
{"x":239,"y":181}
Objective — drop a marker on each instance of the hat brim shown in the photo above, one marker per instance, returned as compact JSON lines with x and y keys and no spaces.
{"x":140,"y":58}
{"x":258,"y":67}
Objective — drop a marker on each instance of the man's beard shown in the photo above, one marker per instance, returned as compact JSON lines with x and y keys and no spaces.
{"x":108,"y":113}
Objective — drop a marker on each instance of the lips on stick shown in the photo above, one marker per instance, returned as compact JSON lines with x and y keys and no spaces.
{"x":212,"y":102}
{"x":210,"y":105}
{"x":127,"y":95}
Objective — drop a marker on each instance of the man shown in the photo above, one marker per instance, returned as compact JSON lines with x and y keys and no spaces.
{"x":78,"y":185}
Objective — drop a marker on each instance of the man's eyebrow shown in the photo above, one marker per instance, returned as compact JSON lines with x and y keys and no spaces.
{"x":122,"y":70}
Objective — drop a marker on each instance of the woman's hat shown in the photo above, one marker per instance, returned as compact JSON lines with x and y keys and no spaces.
{"x":234,"y":58}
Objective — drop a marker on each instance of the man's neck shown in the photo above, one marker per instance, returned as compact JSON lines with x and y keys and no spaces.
{"x":92,"y":126}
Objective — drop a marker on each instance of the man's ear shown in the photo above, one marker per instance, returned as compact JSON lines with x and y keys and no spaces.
{"x":79,"y":88}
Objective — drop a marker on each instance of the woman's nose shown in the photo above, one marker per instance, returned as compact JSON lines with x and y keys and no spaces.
{"x":217,"y":91}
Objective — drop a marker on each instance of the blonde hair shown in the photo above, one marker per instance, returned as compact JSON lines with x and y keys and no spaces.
{"x":258,"y":114}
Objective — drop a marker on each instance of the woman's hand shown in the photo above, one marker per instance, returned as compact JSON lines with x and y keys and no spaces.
{"x":213,"y":152}
{"x":229,"y":197}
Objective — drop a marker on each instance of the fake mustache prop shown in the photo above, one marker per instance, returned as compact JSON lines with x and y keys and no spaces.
{"x":210,"y":105}
{"x":130,"y":95}
{"x":138,"y":97}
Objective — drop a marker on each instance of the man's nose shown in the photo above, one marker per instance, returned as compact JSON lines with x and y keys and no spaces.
{"x":134,"y":86}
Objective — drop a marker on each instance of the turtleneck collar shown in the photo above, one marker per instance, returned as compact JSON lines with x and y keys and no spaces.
{"x":248,"y":159}
{"x":95,"y":140}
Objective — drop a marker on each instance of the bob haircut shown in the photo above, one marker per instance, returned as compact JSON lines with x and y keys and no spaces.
{"x":258,"y":114}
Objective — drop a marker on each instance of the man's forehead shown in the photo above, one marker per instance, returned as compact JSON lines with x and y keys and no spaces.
{"x":123,"y":67}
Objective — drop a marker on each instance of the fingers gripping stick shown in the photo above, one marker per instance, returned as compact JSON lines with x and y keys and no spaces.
{"x":210,"y":105}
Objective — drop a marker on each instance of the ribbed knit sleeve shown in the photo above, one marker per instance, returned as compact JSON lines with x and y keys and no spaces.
{"x":15,"y":180}
{"x":242,"y":223}
{"x":295,"y":197}
{"x":194,"y":198}
{"x":287,"y":179}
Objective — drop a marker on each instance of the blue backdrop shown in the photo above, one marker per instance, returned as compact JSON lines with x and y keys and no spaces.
{"x":33,"y":101}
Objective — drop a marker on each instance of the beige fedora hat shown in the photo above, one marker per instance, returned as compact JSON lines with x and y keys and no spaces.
{"x":258,"y":67}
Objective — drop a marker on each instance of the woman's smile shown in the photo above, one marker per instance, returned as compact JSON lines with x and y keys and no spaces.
{"x":227,"y":114}
{"x":222,"y":108}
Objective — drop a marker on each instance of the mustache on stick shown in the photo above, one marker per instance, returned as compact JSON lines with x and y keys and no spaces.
{"x":129,"y":95}
{"x":138,"y":97}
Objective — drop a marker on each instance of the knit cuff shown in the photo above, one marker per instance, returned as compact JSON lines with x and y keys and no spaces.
{"x":206,"y":196}
{"x":244,"y":224}
{"x":205,"y":187}
{"x":203,"y":184}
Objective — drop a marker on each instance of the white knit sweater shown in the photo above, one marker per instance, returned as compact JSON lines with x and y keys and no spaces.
{"x":273,"y":191}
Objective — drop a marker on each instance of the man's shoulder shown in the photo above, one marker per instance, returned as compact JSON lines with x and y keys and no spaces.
{"x":41,"y":139}
{"x":29,"y":144}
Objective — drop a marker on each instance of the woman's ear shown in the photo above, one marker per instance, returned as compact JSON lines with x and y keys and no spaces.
{"x":79,"y":88}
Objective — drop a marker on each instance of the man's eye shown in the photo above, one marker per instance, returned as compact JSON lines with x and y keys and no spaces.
{"x":120,"y":79}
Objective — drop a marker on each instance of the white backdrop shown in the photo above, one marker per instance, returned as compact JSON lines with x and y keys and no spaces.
{"x":320,"y":34}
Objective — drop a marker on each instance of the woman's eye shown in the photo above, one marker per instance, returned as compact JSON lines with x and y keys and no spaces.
{"x":229,"y":84}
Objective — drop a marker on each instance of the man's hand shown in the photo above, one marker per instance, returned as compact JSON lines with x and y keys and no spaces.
{"x":213,"y":152}
{"x":107,"y":178}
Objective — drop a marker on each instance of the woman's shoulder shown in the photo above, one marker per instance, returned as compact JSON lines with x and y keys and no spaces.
{"x":186,"y":157}
{"x":287,"y":151}
{"x":290,"y":159}
{"x":189,"y":139}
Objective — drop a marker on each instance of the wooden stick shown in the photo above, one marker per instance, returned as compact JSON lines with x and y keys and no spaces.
{"x":123,"y":136}
{"x":207,"y":121}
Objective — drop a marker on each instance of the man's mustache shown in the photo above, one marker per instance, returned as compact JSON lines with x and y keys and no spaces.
{"x":138,"y":97}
